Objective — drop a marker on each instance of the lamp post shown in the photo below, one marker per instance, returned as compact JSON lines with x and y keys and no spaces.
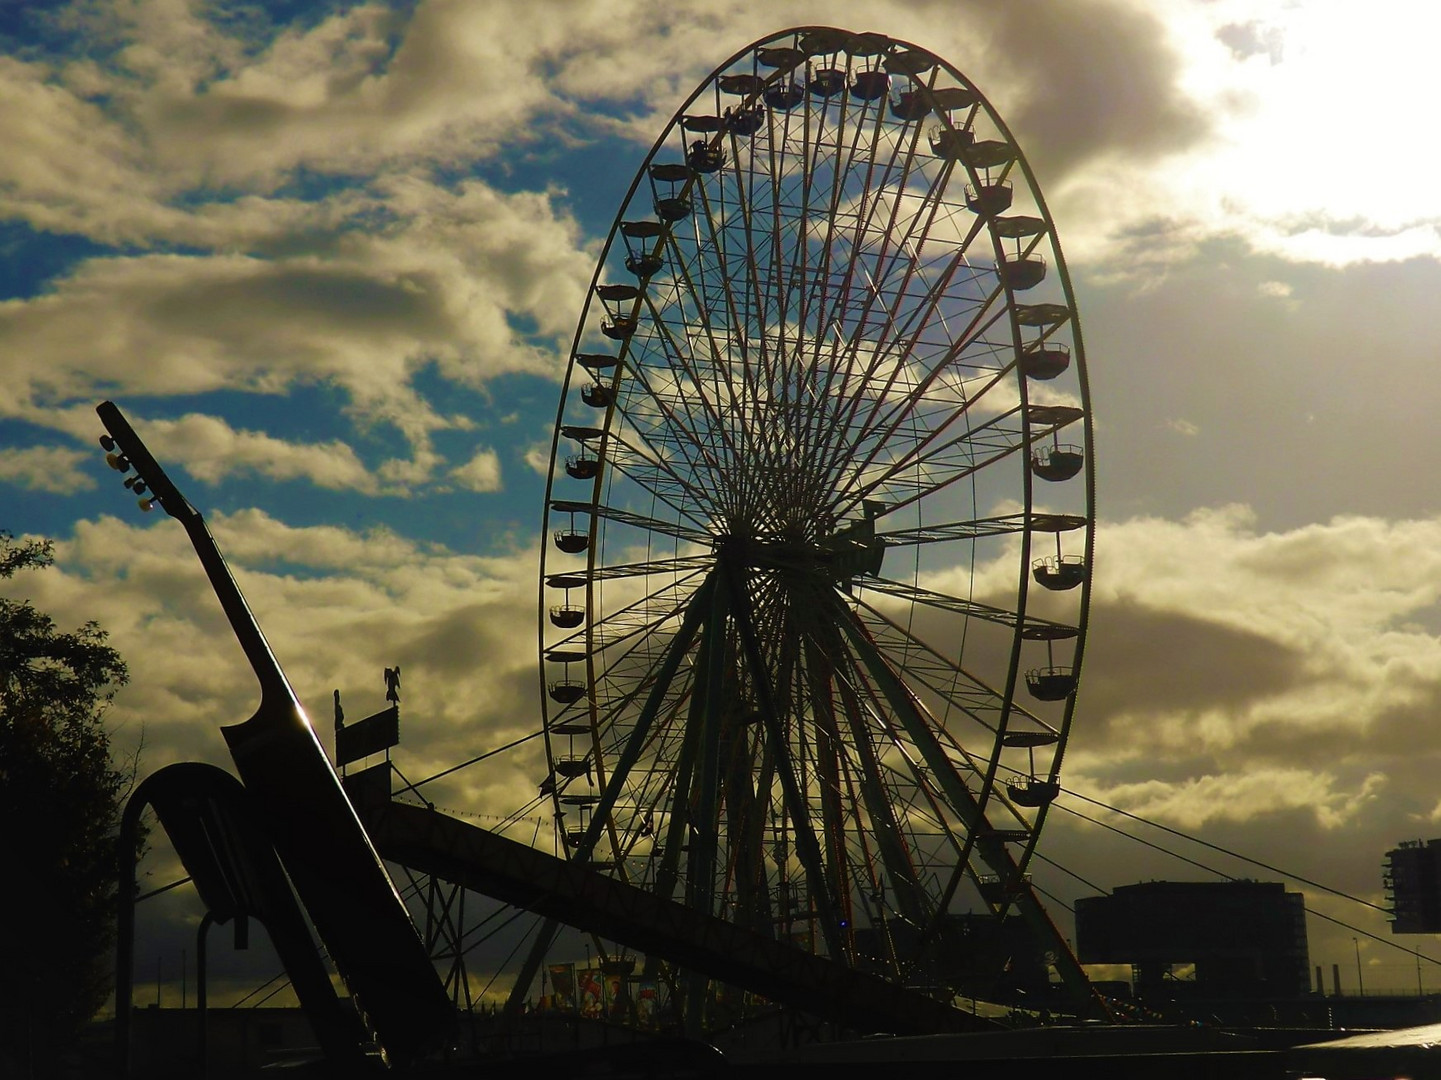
{"x":1360,"y":986}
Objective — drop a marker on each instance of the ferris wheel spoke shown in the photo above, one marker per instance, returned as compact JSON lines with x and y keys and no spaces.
{"x":858,"y":385}
{"x":736,"y":328}
{"x":661,"y":477}
{"x":980,"y":528}
{"x":954,"y":688}
{"x":832,"y":282}
{"x":646,"y":786}
{"x":904,"y":250}
{"x":835,"y":277}
{"x":639,"y":522}
{"x":1041,"y":629}
{"x":888,"y":422}
{"x":916,"y":318}
{"x":989,"y":842}
{"x":757,"y":324}
{"x":740,"y":355}
{"x":960,"y":688}
{"x":911,"y":787}
{"x":686,"y":359}
{"x":911,"y":718}
{"x":707,"y":263}
{"x":932,"y":463}
{"x":667,"y":417}
{"x":681,"y":564}
{"x":680,"y":419}
{"x":667,"y":599}
{"x":767,"y":257}
{"x":939,"y":463}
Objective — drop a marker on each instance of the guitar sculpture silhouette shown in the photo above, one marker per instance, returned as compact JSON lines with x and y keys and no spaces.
{"x":324,"y":848}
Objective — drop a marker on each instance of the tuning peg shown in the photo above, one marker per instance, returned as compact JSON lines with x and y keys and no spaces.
{"x":148,"y":504}
{"x":118,"y":462}
{"x":131,"y":481}
{"x":139,"y":488}
{"x":107,"y":443}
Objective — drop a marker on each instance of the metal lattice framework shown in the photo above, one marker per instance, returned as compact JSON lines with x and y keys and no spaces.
{"x":819,"y":516}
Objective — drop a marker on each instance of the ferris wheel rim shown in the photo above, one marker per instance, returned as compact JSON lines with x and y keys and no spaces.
{"x":1028,"y":525}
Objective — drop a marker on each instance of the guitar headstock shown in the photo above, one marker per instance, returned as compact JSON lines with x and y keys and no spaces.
{"x":125,"y":451}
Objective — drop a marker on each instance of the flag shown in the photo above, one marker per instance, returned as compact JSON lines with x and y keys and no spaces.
{"x":562,"y":983}
{"x":592,"y":993}
{"x":647,"y":1005}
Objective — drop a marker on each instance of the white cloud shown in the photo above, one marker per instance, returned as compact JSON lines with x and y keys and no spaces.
{"x":1198,"y":801}
{"x":45,"y":468}
{"x":480,"y":473}
{"x":440,"y":286}
{"x":211,"y":450}
{"x":537,"y":456}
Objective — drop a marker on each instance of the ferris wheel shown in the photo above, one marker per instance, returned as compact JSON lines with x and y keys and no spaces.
{"x":819,"y":513}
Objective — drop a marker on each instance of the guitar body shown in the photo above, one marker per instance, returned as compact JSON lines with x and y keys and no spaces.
{"x":341,"y":880}
{"x":324,"y":848}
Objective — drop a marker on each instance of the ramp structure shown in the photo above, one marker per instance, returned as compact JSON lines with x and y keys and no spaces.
{"x":456,"y":851}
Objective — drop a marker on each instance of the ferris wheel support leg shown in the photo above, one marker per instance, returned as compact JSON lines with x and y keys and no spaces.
{"x":910,"y":897}
{"x":807,"y":847}
{"x":710,"y":688}
{"x":636,"y":741}
{"x":917,"y":723}
{"x":631,"y":752}
{"x":707,"y":698}
{"x":520,"y":990}
{"x":675,"y":834}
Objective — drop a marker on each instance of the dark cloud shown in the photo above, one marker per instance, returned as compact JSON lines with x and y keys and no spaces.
{"x":1139,"y":659}
{"x":328,"y":295}
{"x":1403,"y":736}
{"x":1099,"y":77}
{"x":1314,"y":393}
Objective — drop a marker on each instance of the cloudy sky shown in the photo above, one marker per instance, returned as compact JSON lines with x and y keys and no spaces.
{"x":329,"y":257}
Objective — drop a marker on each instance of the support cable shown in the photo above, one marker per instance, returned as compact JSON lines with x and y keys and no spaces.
{"x":1225,"y":851}
{"x":1361,"y":931}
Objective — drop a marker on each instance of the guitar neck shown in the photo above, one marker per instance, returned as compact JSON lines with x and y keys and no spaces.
{"x":273,"y":682}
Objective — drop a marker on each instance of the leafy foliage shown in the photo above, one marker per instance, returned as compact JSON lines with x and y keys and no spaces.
{"x":61,"y":796}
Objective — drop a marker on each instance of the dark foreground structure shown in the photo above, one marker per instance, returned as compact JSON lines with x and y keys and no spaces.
{"x":249,"y":1045}
{"x":1244,"y":939}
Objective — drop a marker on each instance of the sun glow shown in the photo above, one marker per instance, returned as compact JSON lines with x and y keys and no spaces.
{"x":1319,"y":150}
{"x":1336,"y":122}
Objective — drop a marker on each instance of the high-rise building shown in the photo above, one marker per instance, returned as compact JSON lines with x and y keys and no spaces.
{"x":1412,"y":875}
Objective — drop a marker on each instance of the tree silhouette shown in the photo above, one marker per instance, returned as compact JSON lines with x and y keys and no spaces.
{"x":61,"y":795}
